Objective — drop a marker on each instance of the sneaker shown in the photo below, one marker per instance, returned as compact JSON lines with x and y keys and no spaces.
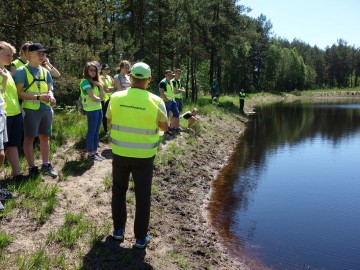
{"x":33,"y":172}
{"x":95,"y":157}
{"x":143,"y":242}
{"x":6,"y":195}
{"x":107,"y":134}
{"x":48,"y":169}
{"x":1,"y":207}
{"x":100,"y":156}
{"x":118,"y":234}
{"x":19,"y":178}
{"x":176,"y":130}
{"x":168,"y":133}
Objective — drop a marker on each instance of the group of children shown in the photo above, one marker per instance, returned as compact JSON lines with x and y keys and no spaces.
{"x":28,"y":79}
{"x":97,"y":86}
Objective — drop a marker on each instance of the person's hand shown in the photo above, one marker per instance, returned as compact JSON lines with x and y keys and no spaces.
{"x":3,"y":74}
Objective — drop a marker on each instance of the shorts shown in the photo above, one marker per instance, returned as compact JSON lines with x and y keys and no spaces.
{"x":3,"y":132}
{"x":179,"y":103}
{"x":14,"y":126}
{"x":172,"y":107}
{"x":38,"y":122}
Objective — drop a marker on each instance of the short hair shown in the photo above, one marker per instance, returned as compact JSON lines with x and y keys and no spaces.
{"x":168,"y":71}
{"x":178,"y":69}
{"x":4,"y":44}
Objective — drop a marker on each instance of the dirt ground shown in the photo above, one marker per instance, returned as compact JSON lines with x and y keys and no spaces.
{"x":182,"y":235}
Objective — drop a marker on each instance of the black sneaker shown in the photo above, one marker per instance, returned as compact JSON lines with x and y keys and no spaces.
{"x":6,"y":195}
{"x":33,"y":172}
{"x":48,"y":169}
{"x":95,"y":157}
{"x":168,"y":133}
{"x":19,"y":178}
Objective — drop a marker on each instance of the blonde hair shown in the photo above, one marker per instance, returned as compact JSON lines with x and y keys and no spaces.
{"x":4,"y":44}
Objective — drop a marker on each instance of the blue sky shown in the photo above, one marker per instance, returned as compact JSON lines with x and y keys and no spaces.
{"x":316,"y":22}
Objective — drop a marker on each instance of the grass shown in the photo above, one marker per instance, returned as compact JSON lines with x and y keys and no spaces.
{"x":67,"y":235}
{"x":5,"y":240}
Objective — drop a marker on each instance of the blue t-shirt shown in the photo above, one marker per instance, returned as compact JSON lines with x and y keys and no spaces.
{"x":20,"y":77}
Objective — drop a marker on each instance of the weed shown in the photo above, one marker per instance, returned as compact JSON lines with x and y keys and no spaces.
{"x":36,"y":260}
{"x":107,"y":182}
{"x":5,"y":240}
{"x":97,"y":234}
{"x":72,"y":230}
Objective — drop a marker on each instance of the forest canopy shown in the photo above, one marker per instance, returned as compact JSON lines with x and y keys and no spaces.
{"x":207,"y":39}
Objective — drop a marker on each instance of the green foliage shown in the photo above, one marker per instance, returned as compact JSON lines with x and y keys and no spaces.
{"x":73,"y":228}
{"x":208,"y":39}
{"x":5,"y":240}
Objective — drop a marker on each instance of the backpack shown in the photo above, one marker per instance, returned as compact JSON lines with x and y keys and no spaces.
{"x":79,"y":106}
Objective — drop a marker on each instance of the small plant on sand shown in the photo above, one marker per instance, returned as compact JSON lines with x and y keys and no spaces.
{"x":5,"y":240}
{"x":71,"y":231}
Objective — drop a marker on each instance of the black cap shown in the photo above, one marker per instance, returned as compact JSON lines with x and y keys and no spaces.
{"x":105,"y":66}
{"x":37,"y":47}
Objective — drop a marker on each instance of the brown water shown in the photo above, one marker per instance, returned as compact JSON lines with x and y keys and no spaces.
{"x":289,"y":197}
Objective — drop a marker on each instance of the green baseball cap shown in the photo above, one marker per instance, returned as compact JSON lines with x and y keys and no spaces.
{"x":141,"y":71}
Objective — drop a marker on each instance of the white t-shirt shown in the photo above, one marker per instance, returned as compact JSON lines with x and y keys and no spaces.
{"x":2,"y":100}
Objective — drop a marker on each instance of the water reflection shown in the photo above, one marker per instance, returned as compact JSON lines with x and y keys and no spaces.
{"x":287,"y":127}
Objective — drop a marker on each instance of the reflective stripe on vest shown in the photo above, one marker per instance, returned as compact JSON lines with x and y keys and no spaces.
{"x":12,"y":106}
{"x":169,"y":93}
{"x":135,"y":145}
{"x":34,"y":89}
{"x":135,"y":130}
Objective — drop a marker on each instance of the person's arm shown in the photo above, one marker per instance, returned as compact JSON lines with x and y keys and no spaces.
{"x":53,"y":71}
{"x":162,"y":117}
{"x":109,"y":116}
{"x":117,"y":83}
{"x":4,"y":76}
{"x":162,"y":95}
{"x":101,"y":88}
{"x":12,"y":70}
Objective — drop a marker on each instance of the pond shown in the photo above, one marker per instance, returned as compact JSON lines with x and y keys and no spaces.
{"x":290,"y":196}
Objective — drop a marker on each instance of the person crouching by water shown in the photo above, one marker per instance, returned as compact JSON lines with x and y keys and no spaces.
{"x":191,"y":117}
{"x":135,"y":116}
{"x":92,"y":93}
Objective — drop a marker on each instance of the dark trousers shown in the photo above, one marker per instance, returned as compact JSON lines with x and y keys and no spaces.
{"x":242,"y":102}
{"x":104,"y":106}
{"x":142,"y":172}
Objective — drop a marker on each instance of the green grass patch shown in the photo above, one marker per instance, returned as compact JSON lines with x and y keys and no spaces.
{"x":5,"y":240}
{"x":40,"y":260}
{"x":67,"y":235}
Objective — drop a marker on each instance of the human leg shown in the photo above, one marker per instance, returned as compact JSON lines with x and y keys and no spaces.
{"x":142,"y":172}
{"x":104,"y":106}
{"x":14,"y":126}
{"x":121,"y":176}
{"x":175,"y":119}
{"x":3,"y":137}
{"x":90,"y":135}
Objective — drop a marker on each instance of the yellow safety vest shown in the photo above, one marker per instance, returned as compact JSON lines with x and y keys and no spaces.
{"x":134,"y":128}
{"x":177,"y":85}
{"x":12,"y":105}
{"x":104,"y":84}
{"x":109,"y":83}
{"x":18,"y":63}
{"x":169,"y":93}
{"x":33,"y":89}
{"x":88,"y":104}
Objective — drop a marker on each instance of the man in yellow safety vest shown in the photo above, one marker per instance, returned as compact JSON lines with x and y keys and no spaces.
{"x":135,"y":116}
